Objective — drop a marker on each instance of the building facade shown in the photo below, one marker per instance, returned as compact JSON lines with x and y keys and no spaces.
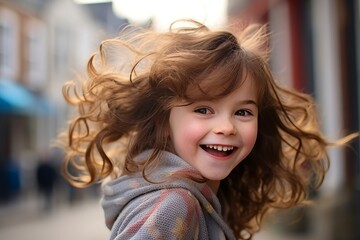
{"x":315,"y":48}
{"x":40,"y":49}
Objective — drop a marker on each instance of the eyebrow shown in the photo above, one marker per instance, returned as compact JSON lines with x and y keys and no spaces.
{"x":248,"y":102}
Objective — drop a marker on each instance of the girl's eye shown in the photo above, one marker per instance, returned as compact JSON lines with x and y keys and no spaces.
{"x":202,"y":110}
{"x":243,"y":112}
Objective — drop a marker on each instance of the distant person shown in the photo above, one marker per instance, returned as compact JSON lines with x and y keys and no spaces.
{"x":10,"y":180}
{"x":198,"y":139}
{"x":46,"y":176}
{"x":14,"y":177}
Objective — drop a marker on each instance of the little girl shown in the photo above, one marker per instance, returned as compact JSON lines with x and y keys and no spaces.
{"x":197,"y":138}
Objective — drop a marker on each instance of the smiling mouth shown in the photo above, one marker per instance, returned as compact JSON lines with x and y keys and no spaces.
{"x":218,"y":150}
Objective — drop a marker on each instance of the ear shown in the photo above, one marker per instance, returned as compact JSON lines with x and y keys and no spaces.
{"x":163,"y":127}
{"x":167,"y":136}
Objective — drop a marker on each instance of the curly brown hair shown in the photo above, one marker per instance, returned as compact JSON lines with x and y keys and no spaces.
{"x":132,"y":83}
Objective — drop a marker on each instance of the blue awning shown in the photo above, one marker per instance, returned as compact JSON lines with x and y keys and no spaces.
{"x":16,"y":99}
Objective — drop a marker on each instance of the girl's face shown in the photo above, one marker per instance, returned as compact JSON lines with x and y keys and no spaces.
{"x":215,"y":136}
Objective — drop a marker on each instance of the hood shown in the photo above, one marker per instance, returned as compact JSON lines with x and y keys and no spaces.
{"x":119,"y":192}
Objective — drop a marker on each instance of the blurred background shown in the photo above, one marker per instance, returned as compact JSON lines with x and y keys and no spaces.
{"x":43,"y":43}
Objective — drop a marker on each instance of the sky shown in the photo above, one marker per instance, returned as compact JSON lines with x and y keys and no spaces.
{"x":163,"y":12}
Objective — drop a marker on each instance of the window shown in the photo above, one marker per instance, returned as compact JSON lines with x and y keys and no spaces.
{"x":35,"y":53}
{"x":9,"y":44}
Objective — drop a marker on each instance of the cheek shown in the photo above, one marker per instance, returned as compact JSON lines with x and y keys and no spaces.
{"x":185,"y":137}
{"x":189,"y":135}
{"x":251,"y":136}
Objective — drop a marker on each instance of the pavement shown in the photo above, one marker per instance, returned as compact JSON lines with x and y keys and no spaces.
{"x":81,"y":221}
{"x":84,"y":220}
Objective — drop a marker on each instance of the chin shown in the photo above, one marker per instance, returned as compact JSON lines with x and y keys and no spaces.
{"x":216,"y":177}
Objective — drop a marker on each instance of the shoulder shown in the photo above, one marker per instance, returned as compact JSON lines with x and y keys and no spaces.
{"x":167,"y":203}
{"x":178,"y":201}
{"x":179,"y":193}
{"x":167,"y":214}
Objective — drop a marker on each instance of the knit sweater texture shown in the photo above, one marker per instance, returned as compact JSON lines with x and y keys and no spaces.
{"x":167,"y":209}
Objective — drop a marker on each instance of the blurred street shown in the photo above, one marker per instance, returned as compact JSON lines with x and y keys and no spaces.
{"x":83,"y":220}
{"x":315,"y":48}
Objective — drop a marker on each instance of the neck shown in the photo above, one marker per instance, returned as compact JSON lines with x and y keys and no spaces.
{"x":214,"y":185}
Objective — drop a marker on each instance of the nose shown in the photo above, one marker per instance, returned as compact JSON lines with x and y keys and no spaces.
{"x":225,"y":126}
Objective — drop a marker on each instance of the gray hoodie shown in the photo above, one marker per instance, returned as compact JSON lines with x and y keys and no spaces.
{"x":167,"y":209}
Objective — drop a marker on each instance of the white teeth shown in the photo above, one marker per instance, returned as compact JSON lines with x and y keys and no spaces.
{"x":220,"y":148}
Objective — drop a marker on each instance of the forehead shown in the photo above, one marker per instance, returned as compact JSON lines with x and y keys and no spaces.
{"x":220,"y":83}
{"x":246,"y":93}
